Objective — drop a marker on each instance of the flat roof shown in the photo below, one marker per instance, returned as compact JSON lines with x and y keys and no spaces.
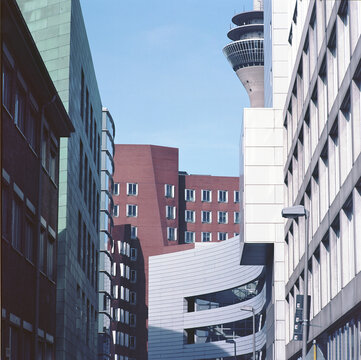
{"x":236,"y":33}
{"x":245,"y":17}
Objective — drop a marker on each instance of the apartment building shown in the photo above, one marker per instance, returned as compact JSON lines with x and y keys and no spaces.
{"x":164,"y":208}
{"x":33,"y":119}
{"x":59,"y":33}
{"x":322,"y":172}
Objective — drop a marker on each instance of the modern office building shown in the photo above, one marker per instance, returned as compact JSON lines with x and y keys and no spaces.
{"x":59,"y":33}
{"x":106,"y":239}
{"x":322,"y":172}
{"x":164,"y":208}
{"x":33,"y":119}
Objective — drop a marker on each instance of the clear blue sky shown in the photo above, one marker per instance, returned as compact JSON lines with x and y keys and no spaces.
{"x":165,"y":80}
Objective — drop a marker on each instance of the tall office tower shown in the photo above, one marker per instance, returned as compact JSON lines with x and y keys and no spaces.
{"x":245,"y":52}
{"x":322,"y":172}
{"x":106,"y":239}
{"x":32,"y":120}
{"x":59,"y":33}
{"x":164,"y":208}
{"x":262,"y":152}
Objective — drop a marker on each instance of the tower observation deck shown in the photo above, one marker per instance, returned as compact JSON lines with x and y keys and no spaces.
{"x":245,"y":52}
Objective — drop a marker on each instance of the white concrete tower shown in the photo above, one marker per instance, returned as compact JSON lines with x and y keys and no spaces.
{"x":245,"y":52}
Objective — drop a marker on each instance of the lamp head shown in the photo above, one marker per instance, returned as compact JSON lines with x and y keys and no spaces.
{"x":294,"y":212}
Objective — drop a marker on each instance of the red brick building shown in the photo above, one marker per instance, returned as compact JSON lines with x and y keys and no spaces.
{"x":32,"y":120}
{"x":167,"y":211}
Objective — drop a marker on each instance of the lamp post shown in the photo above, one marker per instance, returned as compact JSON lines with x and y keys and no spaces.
{"x":295,"y":212}
{"x":232,"y":341}
{"x":251,"y":309}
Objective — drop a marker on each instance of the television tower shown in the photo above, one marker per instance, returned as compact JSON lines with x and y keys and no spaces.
{"x":245,"y":52}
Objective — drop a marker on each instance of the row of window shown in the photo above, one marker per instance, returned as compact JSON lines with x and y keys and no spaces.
{"x":123,"y":339}
{"x":86,"y":318}
{"x":125,"y":272}
{"x":189,"y":195}
{"x":88,"y":187}
{"x":190,"y":215}
{"x":87,"y":254}
{"x":123,"y":293}
{"x":19,"y":228}
{"x":206,"y":217}
{"x":190,"y":236}
{"x":125,"y":249}
{"x":87,"y":115}
{"x":124,"y":317}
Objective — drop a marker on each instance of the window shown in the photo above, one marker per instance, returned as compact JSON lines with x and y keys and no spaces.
{"x":116,"y":189}
{"x":132,"y":210}
{"x":236,"y":197}
{"x":133,"y":254}
{"x":19,"y":113}
{"x":132,"y":320}
{"x":80,"y":164}
{"x":206,"y":236}
{"x":169,"y":191}
{"x":170,"y":212}
{"x":29,"y":239}
{"x":190,"y":195}
{"x":222,"y":236}
{"x":132,"y":189}
{"x":52,"y":163}
{"x":5,"y":212}
{"x":189,"y":237}
{"x":172,"y":233}
{"x":17,"y":223}
{"x":206,"y":195}
{"x":6,"y":87}
{"x":116,"y":211}
{"x":44,"y":149}
{"x":31,"y":129}
{"x":133,"y":232}
{"x":42,"y":251}
{"x":236,"y":217}
{"x":190,"y":216}
{"x":133,"y":298}
{"x":222,"y":217}
{"x":235,"y":234}
{"x":133,"y":276}
{"x":132,"y":342}
{"x":222,"y":196}
{"x":206,"y":217}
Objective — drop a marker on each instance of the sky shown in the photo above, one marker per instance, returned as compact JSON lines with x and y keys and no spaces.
{"x":162,"y":75}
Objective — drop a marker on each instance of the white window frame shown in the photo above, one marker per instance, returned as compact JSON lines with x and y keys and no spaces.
{"x":204,"y":234}
{"x":205,"y":221}
{"x":220,"y":234}
{"x":172,"y":234}
{"x":237,"y":217}
{"x":205,"y":191}
{"x":170,"y":212}
{"x":220,"y":217}
{"x":193,"y":217}
{"x":223,"y":196}
{"x":169,"y":191}
{"x":130,"y":189}
{"x":116,"y":211}
{"x":188,"y":235}
{"x":131,"y":213}
{"x":235,"y":196}
{"x":116,"y":189}
{"x":190,"y":195}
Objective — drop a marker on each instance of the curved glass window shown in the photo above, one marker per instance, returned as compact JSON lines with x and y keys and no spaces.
{"x":226,"y":297}
{"x":226,"y":331}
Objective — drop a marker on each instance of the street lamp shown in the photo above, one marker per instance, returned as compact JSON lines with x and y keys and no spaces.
{"x":295,"y":212}
{"x":251,"y":309}
{"x":232,"y":341}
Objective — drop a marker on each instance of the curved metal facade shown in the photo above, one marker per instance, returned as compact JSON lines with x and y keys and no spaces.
{"x":170,"y":320}
{"x":106,"y":225}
